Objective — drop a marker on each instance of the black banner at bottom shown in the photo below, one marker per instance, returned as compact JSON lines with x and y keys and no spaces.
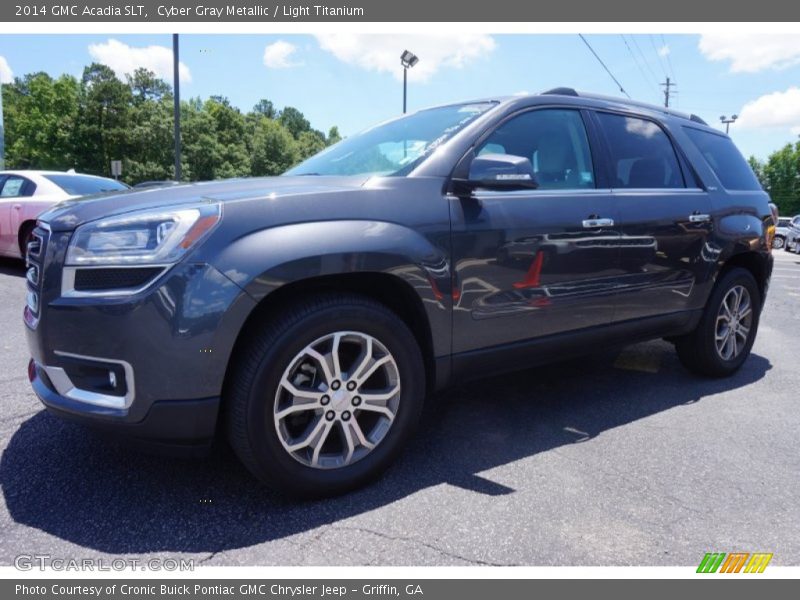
{"x":353,"y":589}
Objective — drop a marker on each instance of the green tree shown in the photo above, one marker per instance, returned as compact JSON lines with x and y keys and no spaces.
{"x":266,"y":109}
{"x":273,"y":149}
{"x":334,"y":136}
{"x":103,"y":119}
{"x":294,"y":121}
{"x":40,"y":115}
{"x":780,"y":176}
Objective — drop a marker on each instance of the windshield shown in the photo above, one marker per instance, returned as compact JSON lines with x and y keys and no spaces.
{"x":83,"y":185}
{"x":393,"y":148}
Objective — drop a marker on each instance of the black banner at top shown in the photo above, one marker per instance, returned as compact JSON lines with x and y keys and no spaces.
{"x":496,"y":11}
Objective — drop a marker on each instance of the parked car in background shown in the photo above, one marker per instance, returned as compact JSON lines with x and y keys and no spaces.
{"x":782,"y":230}
{"x":792,"y":235}
{"x":24,"y":195}
{"x":307,"y":316}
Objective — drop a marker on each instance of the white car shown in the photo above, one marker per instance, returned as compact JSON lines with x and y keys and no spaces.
{"x":24,"y":195}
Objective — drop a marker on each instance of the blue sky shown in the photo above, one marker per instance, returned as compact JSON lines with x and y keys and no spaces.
{"x":354,"y":80}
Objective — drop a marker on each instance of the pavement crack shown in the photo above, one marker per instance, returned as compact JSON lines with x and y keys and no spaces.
{"x":410,"y":540}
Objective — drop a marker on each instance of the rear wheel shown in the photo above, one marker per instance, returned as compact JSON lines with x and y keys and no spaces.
{"x":726,"y":332}
{"x":778,"y":242}
{"x":325,"y":396}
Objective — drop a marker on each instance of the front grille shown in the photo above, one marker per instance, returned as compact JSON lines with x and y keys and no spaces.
{"x":113,"y":278}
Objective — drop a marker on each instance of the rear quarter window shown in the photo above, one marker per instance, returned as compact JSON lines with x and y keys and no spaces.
{"x":725,"y":160}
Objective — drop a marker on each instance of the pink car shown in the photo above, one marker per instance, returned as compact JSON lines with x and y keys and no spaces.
{"x":24,"y":195}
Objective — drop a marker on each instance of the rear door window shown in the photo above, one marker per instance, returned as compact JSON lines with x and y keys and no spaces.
{"x":641,"y":155}
{"x":15,"y":186}
{"x":725,"y":160}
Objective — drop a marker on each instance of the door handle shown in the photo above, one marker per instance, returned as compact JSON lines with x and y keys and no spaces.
{"x":698,"y":218}
{"x":16,"y":206}
{"x":595,"y":223}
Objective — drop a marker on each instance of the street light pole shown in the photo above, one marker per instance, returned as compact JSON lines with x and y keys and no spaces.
{"x":176,"y":89}
{"x":728,"y":122}
{"x":405,"y":87}
{"x":408,"y":60}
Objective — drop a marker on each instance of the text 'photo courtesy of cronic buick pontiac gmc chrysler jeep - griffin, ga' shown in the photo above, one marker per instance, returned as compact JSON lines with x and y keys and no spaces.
{"x":306,"y":317}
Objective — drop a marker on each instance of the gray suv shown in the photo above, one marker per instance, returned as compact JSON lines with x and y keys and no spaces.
{"x":308,"y":316}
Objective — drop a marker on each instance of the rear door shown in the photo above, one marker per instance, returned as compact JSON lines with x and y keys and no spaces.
{"x":531,"y":263}
{"x":665,"y":218}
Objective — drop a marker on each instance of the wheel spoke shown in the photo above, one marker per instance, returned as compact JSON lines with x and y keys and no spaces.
{"x":296,"y":407}
{"x":323,"y":362}
{"x":349,"y":443}
{"x":374,"y":367}
{"x":309,"y":438}
{"x":337,"y":367}
{"x":366,"y":359}
{"x":298,"y":392}
{"x":359,"y":434}
{"x":319,"y":442}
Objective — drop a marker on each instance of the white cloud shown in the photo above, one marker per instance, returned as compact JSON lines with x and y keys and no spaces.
{"x":124,"y":59}
{"x":749,"y":53}
{"x":664,"y":51}
{"x":779,"y":110}
{"x":279,"y":55}
{"x":381,"y":53}
{"x":6,"y":74}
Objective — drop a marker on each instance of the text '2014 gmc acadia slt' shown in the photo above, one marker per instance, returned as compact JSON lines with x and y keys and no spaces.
{"x":308,"y":315}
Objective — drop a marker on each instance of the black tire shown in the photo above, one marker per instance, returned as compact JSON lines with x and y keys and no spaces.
{"x":249,"y":397}
{"x":697,"y":350}
{"x":25,"y":234}
{"x":778,"y":242}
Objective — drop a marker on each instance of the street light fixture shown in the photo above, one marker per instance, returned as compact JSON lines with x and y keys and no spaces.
{"x":728,"y":121}
{"x":408,"y":60}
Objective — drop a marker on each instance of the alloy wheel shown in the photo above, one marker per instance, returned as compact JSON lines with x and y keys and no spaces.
{"x":734,"y":322}
{"x":337,"y":400}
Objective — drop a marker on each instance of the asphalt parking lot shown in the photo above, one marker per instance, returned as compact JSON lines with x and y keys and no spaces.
{"x":618,"y":459}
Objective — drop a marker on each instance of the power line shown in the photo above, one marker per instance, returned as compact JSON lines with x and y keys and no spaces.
{"x":669,"y":60}
{"x":644,"y":60}
{"x":648,"y":81}
{"x":600,"y":60}
{"x":658,"y":55}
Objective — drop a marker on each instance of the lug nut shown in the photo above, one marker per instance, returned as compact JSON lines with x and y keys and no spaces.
{"x":335,"y":385}
{"x":324,"y":400}
{"x":330,"y":415}
{"x":356,"y":400}
{"x":346,"y":416}
{"x":351,"y":385}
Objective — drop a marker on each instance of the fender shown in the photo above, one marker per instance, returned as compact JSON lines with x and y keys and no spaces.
{"x":265,"y":260}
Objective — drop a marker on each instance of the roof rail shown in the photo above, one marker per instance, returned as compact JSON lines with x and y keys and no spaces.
{"x":560,"y":91}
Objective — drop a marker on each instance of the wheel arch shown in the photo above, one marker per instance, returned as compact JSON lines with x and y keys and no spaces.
{"x":755,"y":262}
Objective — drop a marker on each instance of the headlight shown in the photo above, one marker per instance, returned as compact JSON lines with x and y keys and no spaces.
{"x":150,"y":237}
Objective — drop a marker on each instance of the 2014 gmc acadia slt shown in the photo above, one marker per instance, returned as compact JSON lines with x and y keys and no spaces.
{"x":308,"y":315}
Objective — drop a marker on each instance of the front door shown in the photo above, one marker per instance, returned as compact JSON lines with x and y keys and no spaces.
{"x":532,"y":263}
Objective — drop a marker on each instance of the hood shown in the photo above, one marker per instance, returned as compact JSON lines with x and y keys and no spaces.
{"x":69,"y":214}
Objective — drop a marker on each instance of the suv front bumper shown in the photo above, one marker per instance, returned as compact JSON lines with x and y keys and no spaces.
{"x":150,"y":365}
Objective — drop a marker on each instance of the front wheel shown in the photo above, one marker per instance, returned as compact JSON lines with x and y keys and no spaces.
{"x":778,"y":242}
{"x":325,"y":396}
{"x":724,"y":337}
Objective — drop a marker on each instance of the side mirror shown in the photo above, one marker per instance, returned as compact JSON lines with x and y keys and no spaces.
{"x":501,"y":172}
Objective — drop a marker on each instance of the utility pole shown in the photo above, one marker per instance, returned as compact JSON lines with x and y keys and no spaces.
{"x":667,"y":93}
{"x":176,"y":94}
